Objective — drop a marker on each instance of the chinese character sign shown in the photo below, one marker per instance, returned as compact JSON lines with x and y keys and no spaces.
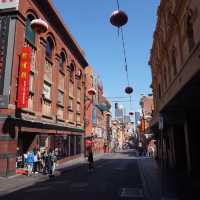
{"x":24,"y":74}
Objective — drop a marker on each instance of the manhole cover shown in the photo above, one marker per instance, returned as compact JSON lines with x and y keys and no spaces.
{"x":131,"y":192}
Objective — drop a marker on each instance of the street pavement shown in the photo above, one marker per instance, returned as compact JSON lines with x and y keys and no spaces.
{"x":117,"y":176}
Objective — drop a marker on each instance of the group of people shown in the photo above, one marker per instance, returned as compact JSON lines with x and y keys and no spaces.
{"x":37,"y":161}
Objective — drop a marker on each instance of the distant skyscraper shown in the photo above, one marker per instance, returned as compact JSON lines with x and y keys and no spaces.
{"x":137,"y":118}
{"x":119,"y":112}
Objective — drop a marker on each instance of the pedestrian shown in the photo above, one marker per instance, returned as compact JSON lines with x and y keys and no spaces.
{"x":49,"y":162}
{"x":30,"y":160}
{"x":35,"y":162}
{"x":45,"y":162}
{"x":105,"y":147}
{"x":54,"y":160}
{"x":90,"y":159}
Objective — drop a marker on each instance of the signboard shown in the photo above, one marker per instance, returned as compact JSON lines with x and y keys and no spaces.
{"x":24,"y":74}
{"x":7,"y":4}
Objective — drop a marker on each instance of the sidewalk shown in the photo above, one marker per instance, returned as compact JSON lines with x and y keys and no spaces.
{"x":17,"y":182}
{"x":158,"y":185}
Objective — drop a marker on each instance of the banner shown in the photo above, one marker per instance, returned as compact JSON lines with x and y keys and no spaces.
{"x":24,"y":75}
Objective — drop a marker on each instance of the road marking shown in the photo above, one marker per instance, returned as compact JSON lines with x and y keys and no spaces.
{"x":131,"y":193}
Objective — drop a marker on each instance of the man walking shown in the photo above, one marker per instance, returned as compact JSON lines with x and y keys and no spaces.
{"x":30,"y":160}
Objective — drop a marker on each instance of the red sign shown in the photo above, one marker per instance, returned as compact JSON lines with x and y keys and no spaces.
{"x":24,"y":75}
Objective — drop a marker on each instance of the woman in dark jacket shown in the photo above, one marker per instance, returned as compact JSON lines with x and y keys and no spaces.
{"x":90,"y":159}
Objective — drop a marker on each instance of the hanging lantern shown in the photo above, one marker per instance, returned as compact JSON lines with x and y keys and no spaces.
{"x":128,"y":90}
{"x":118,"y":18}
{"x":39,"y":26}
{"x":131,"y":113}
{"x":92,"y":91}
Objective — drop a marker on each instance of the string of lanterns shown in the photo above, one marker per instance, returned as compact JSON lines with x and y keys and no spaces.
{"x":118,"y":19}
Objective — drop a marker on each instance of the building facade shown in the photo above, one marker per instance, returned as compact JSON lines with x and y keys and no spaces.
{"x":54,"y":116}
{"x":175,"y":70}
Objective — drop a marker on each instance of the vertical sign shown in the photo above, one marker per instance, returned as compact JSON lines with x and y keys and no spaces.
{"x":24,"y":74}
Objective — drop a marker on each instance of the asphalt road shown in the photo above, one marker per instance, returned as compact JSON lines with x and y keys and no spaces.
{"x":116,"y":177}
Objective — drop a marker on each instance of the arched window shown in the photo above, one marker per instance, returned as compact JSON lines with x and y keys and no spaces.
{"x":190,"y":32}
{"x":173,"y":59}
{"x":62,"y":60}
{"x":49,"y":47}
{"x":29,"y":34}
{"x":71,"y":72}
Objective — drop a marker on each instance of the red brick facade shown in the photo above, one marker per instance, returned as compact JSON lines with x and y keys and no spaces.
{"x":55,"y":114}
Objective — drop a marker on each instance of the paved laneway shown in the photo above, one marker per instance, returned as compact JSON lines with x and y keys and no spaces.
{"x":116,"y":176}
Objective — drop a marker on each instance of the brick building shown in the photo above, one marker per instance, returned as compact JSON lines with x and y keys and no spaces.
{"x":146,"y":103}
{"x":54,"y":117}
{"x":175,"y":70}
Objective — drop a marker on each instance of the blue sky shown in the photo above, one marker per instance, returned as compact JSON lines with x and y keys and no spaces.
{"x":88,"y":21}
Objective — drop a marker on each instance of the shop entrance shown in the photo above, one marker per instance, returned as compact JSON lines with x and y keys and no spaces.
{"x":26,"y":141}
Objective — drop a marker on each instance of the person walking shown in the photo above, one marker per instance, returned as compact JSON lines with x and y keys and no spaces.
{"x":30,"y":160}
{"x":54,"y":160}
{"x":90,"y":159}
{"x":35,"y":163}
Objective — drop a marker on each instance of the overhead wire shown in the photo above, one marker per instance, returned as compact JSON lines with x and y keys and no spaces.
{"x":120,"y":29}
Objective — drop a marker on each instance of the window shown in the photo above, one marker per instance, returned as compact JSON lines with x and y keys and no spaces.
{"x":60,"y":99}
{"x":71,"y":72}
{"x":78,"y":107}
{"x":30,"y":102}
{"x":78,"y":144}
{"x":78,"y":118}
{"x":70,"y":105}
{"x":71,"y":89}
{"x":72,"y":145}
{"x":47,"y":91}
{"x":70,"y":116}
{"x":48,"y":71}
{"x":46,"y":108}
{"x":33,"y":59}
{"x":49,"y":47}
{"x":62,"y":61}
{"x":61,"y":82}
{"x":29,"y":34}
{"x":60,"y":112}
{"x":190,"y":32}
{"x":31,"y":82}
{"x":78,"y":95}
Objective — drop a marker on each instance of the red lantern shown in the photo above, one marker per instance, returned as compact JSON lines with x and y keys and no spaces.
{"x":92,"y":91}
{"x":118,"y":18}
{"x":128,"y":90}
{"x":39,"y":26}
